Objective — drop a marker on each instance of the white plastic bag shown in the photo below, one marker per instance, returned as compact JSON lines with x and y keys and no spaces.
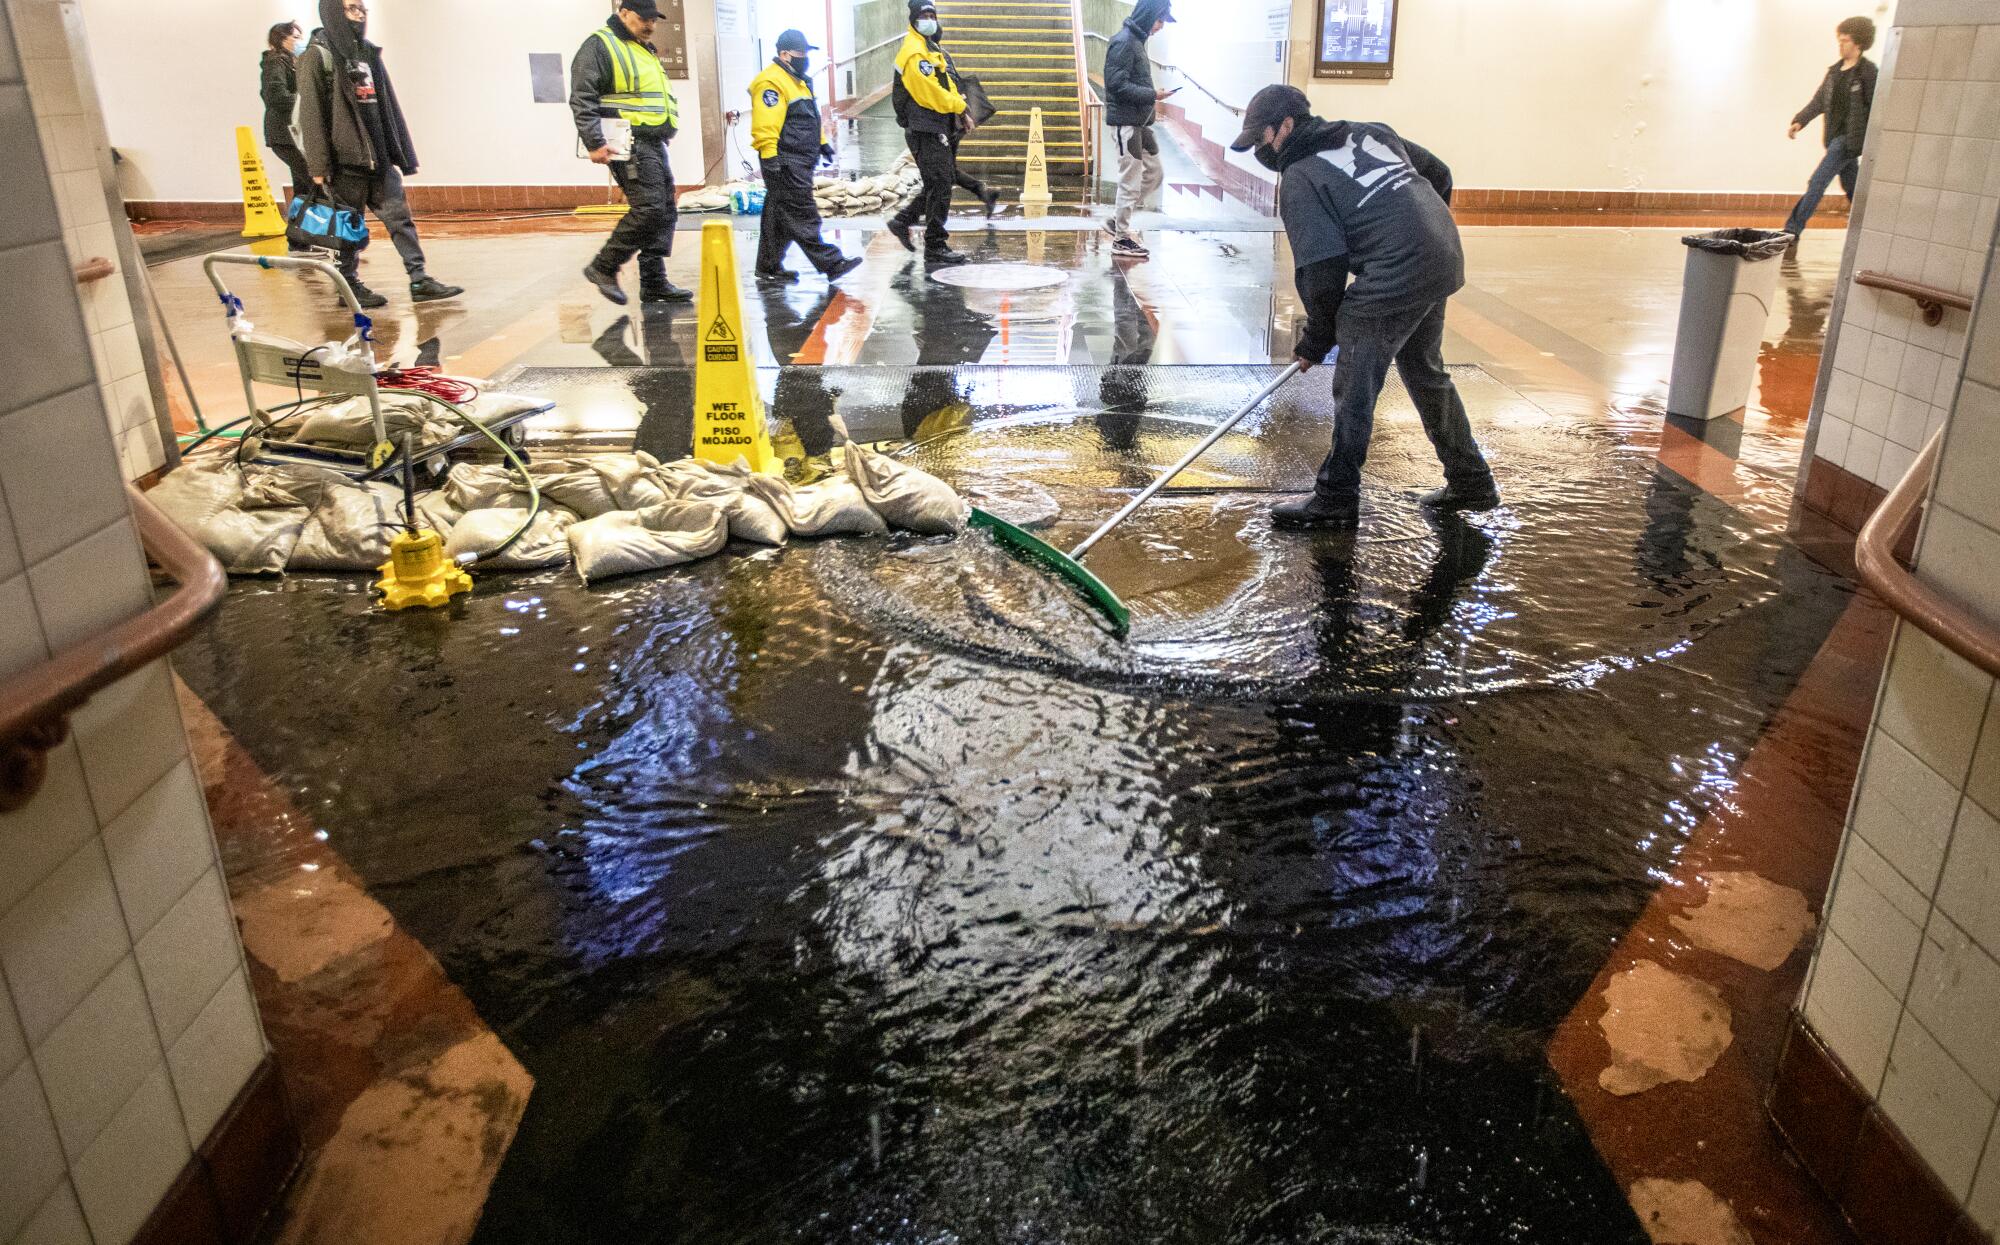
{"x":624,"y":542}
{"x":908,"y":497}
{"x":543,"y":544}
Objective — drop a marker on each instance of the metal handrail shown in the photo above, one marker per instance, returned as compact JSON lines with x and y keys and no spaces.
{"x":845,"y":61}
{"x":1929,"y":610}
{"x":1930,"y":299}
{"x":1176,"y":69}
{"x":35,"y":704}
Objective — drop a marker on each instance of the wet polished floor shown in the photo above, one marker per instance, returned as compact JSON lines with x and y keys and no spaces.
{"x":869,"y":891}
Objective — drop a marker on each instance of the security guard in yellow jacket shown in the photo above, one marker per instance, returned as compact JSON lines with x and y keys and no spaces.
{"x":931,"y":109}
{"x":786,"y":130}
{"x":617,"y":77}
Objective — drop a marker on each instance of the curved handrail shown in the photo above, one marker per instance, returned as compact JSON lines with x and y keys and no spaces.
{"x":34,"y":703}
{"x":93,"y":269}
{"x":1929,"y":610}
{"x":1185,"y":75}
{"x":1930,"y":299}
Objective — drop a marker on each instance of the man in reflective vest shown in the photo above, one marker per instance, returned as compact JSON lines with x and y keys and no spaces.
{"x":618,"y":86}
{"x":931,"y":110}
{"x":786,"y":130}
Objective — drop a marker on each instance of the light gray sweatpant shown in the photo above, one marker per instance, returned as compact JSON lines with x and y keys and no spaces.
{"x":1139,"y":174}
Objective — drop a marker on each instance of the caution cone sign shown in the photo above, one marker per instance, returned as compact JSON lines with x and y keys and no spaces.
{"x":1035,"y":186}
{"x":262,"y":217}
{"x":728,"y":415}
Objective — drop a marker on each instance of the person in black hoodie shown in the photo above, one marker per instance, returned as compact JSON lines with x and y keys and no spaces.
{"x":279,"y":87}
{"x":356,"y":142}
{"x":1129,"y":101}
{"x":1357,"y":198}
{"x":1844,"y":97}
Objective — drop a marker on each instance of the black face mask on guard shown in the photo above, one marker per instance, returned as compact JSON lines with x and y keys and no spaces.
{"x":1266,"y":155}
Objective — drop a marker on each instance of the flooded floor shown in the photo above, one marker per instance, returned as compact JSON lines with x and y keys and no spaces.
{"x":870,"y":891}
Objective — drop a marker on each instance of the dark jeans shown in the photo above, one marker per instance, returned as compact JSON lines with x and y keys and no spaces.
{"x":938,"y":163}
{"x":1414,"y":342}
{"x":382,"y":194}
{"x":1836,"y":163}
{"x":791,"y":215}
{"x":647,"y":229}
{"x":295,"y":163}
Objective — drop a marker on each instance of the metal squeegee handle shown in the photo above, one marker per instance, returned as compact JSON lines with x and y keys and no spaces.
{"x":1146,"y":494}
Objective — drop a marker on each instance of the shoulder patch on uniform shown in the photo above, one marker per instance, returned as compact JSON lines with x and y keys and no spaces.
{"x":926,"y":68}
{"x":770,"y":97}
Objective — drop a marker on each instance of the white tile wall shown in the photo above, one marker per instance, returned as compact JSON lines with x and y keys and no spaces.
{"x":1929,"y":199}
{"x":1905,"y":986}
{"x":126,"y":1028}
{"x":75,"y":151}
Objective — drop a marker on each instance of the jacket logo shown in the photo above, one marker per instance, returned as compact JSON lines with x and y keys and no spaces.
{"x":770,"y":97}
{"x":926,"y":68}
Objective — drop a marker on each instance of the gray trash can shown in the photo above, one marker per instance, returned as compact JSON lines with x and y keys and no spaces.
{"x":1726,"y":296}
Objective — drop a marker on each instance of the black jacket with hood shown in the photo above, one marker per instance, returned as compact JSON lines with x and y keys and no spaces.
{"x":1128,"y":74}
{"x":1860,"y":99}
{"x":335,"y":66}
{"x":279,"y":87}
{"x":1322,"y":286}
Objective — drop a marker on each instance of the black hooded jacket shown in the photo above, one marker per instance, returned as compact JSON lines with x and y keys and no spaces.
{"x":1404,"y":253}
{"x":337,"y":128}
{"x":1128,"y":74}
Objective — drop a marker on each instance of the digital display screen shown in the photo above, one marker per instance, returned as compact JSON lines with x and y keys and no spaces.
{"x":1357,"y":39}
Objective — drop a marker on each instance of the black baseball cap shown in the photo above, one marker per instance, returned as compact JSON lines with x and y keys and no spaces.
{"x":794,"y":41}
{"x":644,"y":8}
{"x":1269,"y":107}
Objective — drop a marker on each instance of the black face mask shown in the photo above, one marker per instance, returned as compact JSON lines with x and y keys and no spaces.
{"x":360,"y":28}
{"x":1266,"y":155}
{"x":799,"y":65}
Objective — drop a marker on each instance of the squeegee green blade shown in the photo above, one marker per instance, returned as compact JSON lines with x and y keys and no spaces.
{"x":1040,"y":551}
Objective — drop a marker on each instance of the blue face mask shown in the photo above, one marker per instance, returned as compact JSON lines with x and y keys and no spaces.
{"x":927,"y":27}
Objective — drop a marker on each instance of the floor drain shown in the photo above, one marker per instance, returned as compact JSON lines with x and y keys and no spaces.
{"x":1001,"y":276}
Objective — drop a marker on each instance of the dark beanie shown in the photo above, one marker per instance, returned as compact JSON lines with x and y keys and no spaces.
{"x":918,"y":6}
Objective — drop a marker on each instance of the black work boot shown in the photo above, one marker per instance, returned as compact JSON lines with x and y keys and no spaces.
{"x":606,"y":283}
{"x":366,"y":297}
{"x":783,"y":276}
{"x":844,"y":267}
{"x":1314,"y":511}
{"x":901,"y":233}
{"x":425,"y":288}
{"x":1462,"y":497}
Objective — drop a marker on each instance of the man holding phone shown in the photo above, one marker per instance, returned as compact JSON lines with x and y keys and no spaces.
{"x":1129,"y":101}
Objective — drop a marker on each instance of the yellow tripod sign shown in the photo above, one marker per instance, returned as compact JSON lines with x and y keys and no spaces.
{"x":728,"y":414}
{"x":261,"y":215}
{"x":1035,"y":186}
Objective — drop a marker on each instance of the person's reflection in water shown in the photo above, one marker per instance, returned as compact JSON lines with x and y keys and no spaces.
{"x":612,"y":347}
{"x":1121,"y":391}
{"x":802,"y":402}
{"x":947,"y":333}
{"x":1354,"y":657}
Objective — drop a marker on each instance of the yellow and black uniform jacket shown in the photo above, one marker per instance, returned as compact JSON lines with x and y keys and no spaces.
{"x":784,"y":116}
{"x":926,"y":92}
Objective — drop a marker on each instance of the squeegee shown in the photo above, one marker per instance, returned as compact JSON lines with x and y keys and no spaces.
{"x":1069,"y":566}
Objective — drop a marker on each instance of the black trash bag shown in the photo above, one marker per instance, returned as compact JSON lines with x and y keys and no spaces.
{"x":1750,"y":244}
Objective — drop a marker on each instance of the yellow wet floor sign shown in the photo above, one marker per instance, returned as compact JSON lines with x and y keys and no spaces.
{"x":261,"y":216}
{"x":1035,"y":186}
{"x":728,"y":415}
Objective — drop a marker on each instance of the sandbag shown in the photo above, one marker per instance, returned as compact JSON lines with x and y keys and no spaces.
{"x":908,"y":497}
{"x":575,"y":485}
{"x":625,"y":542}
{"x":543,"y":544}
{"x":832,"y":507}
{"x":628,"y":479}
{"x":255,"y":542}
{"x":197,"y":492}
{"x":484,"y":486}
{"x":750,"y":517}
{"x":350,"y":529}
{"x":350,"y":423}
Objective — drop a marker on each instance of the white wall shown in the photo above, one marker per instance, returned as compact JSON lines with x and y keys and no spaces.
{"x":127,"y":1026}
{"x":460,"y":68}
{"x":1667,"y":95}
{"x":1232,"y":51}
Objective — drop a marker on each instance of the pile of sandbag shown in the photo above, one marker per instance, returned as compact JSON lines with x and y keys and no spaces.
{"x":836,"y":196}
{"x":608,"y":514}
{"x":348,"y":423}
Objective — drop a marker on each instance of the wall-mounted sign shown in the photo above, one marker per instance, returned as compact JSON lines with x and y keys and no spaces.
{"x":1355,"y":39}
{"x":670,"y":38}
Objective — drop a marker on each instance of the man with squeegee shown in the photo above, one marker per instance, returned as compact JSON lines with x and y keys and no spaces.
{"x":1359,"y":200}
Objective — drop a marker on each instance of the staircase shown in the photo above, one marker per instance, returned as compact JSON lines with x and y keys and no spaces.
{"x":1024,"y":53}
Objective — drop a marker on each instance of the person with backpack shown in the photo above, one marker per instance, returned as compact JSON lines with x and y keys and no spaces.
{"x":357,"y":144}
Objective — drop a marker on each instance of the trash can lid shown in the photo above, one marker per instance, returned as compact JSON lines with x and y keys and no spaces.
{"x":1750,"y":244}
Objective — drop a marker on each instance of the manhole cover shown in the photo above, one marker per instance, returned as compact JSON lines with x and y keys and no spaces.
{"x":1001,"y":276}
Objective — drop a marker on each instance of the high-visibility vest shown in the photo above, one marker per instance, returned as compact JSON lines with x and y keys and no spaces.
{"x":638,"y":84}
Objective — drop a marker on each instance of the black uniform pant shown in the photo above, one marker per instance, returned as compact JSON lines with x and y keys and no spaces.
{"x":791,"y":215}
{"x":1414,"y":341}
{"x":937,"y":162}
{"x":962,"y":179}
{"x":648,"y":227}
